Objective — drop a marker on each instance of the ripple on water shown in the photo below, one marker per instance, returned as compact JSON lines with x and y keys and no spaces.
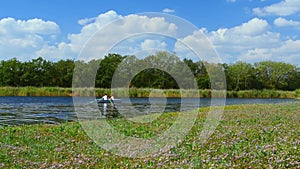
{"x":32,"y":110}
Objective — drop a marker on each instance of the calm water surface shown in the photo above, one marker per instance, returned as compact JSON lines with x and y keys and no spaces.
{"x":31,"y":110}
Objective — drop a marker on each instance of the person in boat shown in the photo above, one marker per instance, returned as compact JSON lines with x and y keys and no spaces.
{"x":111,"y":98}
{"x":105,"y":97}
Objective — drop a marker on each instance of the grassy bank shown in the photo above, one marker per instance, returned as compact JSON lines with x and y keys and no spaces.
{"x":35,"y":91}
{"x":256,"y":136}
{"x":142,"y":92}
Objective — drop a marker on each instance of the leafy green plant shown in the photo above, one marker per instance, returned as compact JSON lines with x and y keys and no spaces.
{"x":256,"y":136}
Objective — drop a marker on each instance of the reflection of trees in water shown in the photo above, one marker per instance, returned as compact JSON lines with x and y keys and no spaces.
{"x":109,"y":110}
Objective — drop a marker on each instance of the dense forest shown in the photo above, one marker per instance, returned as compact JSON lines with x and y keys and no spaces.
{"x":239,"y":76}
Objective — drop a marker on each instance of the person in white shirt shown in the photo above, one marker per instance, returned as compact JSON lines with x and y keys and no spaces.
{"x":105,"y":97}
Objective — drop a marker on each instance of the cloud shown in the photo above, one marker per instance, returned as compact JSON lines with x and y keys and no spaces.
{"x":11,"y":26}
{"x":283,"y":8}
{"x":256,"y":55}
{"x":77,"y":41}
{"x":86,"y":21}
{"x":25,"y":37}
{"x":282,"y":22}
{"x":167,"y":10}
{"x":120,"y":27}
{"x":288,"y":51}
{"x":253,"y":27}
{"x":233,"y":42}
{"x":200,"y":45}
{"x":252,"y":41}
{"x":149,"y":44}
{"x":35,"y":37}
{"x":249,"y":42}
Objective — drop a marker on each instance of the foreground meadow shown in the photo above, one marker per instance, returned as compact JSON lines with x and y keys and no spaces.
{"x":255,"y":136}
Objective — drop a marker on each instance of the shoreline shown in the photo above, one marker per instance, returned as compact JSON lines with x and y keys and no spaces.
{"x":145,"y":92}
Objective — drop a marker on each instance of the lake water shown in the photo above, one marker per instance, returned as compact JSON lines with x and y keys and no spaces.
{"x":31,"y":110}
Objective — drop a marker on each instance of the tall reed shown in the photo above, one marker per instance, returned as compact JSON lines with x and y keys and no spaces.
{"x":144,"y":92}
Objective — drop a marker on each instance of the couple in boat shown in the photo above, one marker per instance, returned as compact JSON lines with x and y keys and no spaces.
{"x":106,"y":99}
{"x":111,"y":110}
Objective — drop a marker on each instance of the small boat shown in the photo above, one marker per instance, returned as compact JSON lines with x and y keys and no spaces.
{"x":103,"y":101}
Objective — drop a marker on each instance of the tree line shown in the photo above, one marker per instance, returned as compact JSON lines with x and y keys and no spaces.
{"x":154,"y":71}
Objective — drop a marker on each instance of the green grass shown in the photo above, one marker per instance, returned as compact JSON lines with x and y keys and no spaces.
{"x":248,"y":136}
{"x":144,"y":92}
{"x":35,"y":91}
{"x":262,"y":94}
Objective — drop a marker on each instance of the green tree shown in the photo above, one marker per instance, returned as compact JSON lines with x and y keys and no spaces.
{"x":35,"y":72}
{"x":84,"y":74}
{"x":202,"y":77}
{"x":61,"y":73}
{"x":240,"y":76}
{"x":275,"y":75}
{"x":156,"y":71}
{"x":106,"y":70}
{"x":294,"y":81}
{"x":10,"y":72}
{"x":216,"y":74}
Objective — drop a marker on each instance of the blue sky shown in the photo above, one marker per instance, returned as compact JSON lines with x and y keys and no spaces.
{"x":248,"y":30}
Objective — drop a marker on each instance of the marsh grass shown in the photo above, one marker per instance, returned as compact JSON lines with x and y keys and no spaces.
{"x":248,"y":136}
{"x":144,"y":92}
{"x":35,"y":91}
{"x":262,"y":94}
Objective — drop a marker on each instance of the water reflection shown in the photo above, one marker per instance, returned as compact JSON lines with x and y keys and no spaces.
{"x":109,"y":110}
{"x":32,"y":110}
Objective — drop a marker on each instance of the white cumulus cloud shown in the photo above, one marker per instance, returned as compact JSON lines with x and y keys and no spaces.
{"x":23,"y":38}
{"x":120,"y":30}
{"x":200,"y":45}
{"x":11,"y":26}
{"x":149,"y":44}
{"x":35,"y":37}
{"x":234,"y":42}
{"x":168,"y":10}
{"x":252,"y":41}
{"x":282,"y":22}
{"x":283,"y":8}
{"x":253,"y":27}
{"x":288,"y":51}
{"x":77,"y":41}
{"x":86,"y":21}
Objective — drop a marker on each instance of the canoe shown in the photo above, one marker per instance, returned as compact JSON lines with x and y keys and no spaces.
{"x":103,"y":101}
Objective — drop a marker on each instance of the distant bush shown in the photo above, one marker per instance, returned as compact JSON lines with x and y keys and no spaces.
{"x":297,"y":93}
